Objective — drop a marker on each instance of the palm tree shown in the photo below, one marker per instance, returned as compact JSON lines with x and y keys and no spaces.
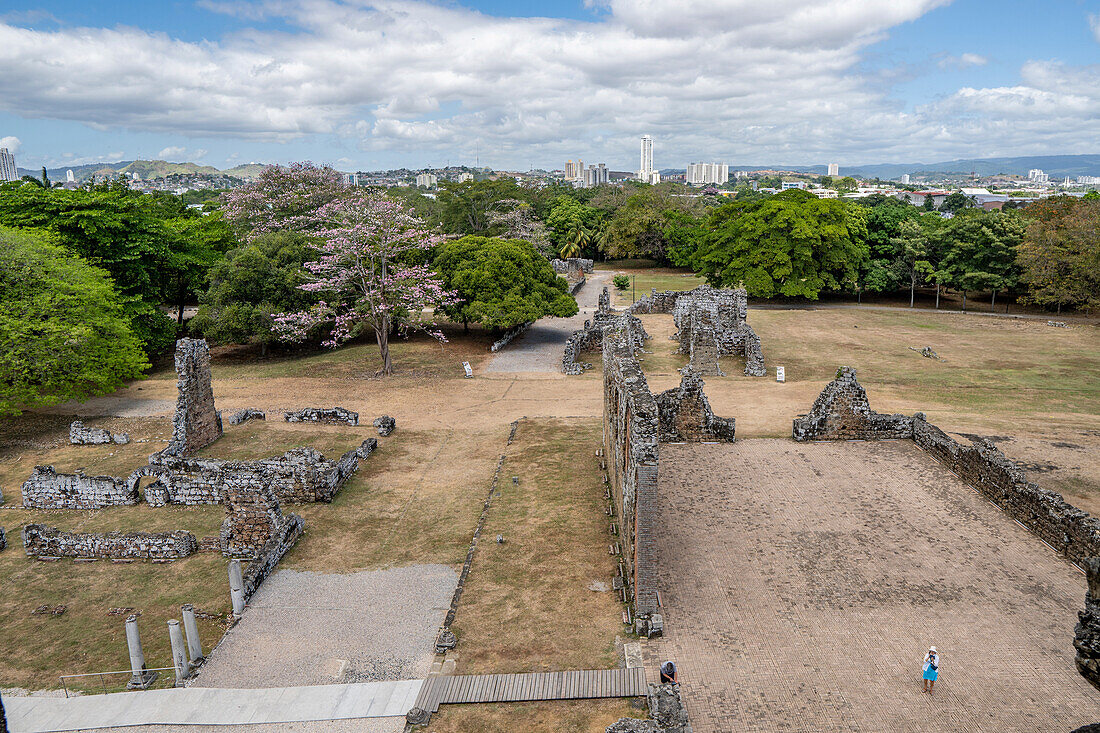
{"x":576,"y":240}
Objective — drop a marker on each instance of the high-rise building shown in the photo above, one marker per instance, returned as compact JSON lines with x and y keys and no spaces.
{"x":464,"y":176}
{"x":595,"y":175}
{"x":1037,"y":176}
{"x":8,"y":171}
{"x":427,"y":180}
{"x":704,"y":173}
{"x":834,"y":169}
{"x":574,"y":170}
{"x":69,"y":177}
{"x":645,"y":172}
{"x":351,"y":179}
{"x":905,"y":178}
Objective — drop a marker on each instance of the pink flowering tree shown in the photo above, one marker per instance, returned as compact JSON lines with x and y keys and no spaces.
{"x":361,"y":278}
{"x":282,"y":198}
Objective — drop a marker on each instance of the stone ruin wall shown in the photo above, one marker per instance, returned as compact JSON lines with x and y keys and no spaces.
{"x":591,"y":337}
{"x":47,"y":489}
{"x":630,"y":444}
{"x":842,"y":412}
{"x":572,"y":265}
{"x":196,"y":423}
{"x":712,"y":323}
{"x":80,"y":435}
{"x":255,"y":528}
{"x":299,"y":476}
{"x":509,"y":336}
{"x":323,"y":415}
{"x":685,"y":416}
{"x":42,"y":541}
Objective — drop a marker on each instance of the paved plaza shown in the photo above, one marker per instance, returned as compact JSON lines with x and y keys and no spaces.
{"x":802,"y":583}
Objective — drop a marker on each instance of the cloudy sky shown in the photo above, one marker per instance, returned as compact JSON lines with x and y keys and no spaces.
{"x":366,"y":85}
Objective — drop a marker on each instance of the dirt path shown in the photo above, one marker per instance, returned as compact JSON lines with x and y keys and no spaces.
{"x":540,"y":349}
{"x":802,"y":584}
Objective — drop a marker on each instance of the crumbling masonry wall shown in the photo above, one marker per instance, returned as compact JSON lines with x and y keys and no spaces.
{"x":42,"y":541}
{"x":253,"y":515}
{"x":196,"y":423}
{"x":685,"y":414}
{"x":1086,"y":637}
{"x":842,"y":412}
{"x":299,"y":476}
{"x":572,"y":264}
{"x":47,"y":489}
{"x":590,"y":338}
{"x":80,"y":435}
{"x":328,"y":416}
{"x":630,"y":443}
{"x":713,"y":322}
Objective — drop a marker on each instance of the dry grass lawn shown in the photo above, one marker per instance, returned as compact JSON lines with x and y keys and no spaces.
{"x":556,"y":716}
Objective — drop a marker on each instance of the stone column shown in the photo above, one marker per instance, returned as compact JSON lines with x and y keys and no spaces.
{"x":191,"y":628}
{"x":141,"y":678}
{"x":179,"y":651}
{"x":236,"y":587}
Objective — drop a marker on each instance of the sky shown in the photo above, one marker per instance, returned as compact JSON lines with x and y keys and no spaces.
{"x":365,"y":85}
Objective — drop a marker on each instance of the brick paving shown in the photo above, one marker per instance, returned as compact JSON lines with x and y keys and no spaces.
{"x":802,"y":584}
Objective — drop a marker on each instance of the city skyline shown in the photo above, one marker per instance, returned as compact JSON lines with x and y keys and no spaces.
{"x":802,"y":83}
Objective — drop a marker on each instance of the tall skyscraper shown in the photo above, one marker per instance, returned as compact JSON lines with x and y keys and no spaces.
{"x":704,"y":173}
{"x":645,"y":172}
{"x":69,"y":177}
{"x":8,"y":171}
{"x":595,"y":175}
{"x":834,"y":169}
{"x":574,"y":170}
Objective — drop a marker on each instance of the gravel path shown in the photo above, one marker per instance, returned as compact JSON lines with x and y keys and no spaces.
{"x":306,"y":628}
{"x":541,"y":348}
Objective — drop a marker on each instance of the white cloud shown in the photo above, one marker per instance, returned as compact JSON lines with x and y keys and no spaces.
{"x":1094,"y":23}
{"x":12,"y":143}
{"x":963,"y":61}
{"x":728,"y":79}
{"x":172,"y":151}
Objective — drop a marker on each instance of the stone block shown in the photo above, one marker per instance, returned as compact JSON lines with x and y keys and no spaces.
{"x":385,"y":425}
{"x":245,"y":415}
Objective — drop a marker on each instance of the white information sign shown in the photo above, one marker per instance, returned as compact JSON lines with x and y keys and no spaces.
{"x":469,"y":371}
{"x":780,"y":374}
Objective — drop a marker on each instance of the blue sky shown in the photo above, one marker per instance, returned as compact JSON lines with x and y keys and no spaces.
{"x":365,"y":85}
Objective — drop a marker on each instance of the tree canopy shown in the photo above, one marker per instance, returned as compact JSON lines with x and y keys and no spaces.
{"x":500,"y":283}
{"x":63,"y":330}
{"x":791,"y":244}
{"x":1060,"y":253}
{"x":979,"y":251}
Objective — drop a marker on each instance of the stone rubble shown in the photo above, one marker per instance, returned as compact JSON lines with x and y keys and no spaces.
{"x":385,"y":425}
{"x":3,"y":539}
{"x":328,"y":416}
{"x":1086,"y":639}
{"x":40,"y":540}
{"x":667,"y":713}
{"x":196,"y":424}
{"x":245,"y":415}
{"x":80,"y":435}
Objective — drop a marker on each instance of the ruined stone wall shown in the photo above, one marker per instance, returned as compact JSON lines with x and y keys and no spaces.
{"x":277,"y":545}
{"x":42,"y":541}
{"x":663,"y":302}
{"x":245,"y":415}
{"x":253,"y":515}
{"x":80,"y":435}
{"x":1086,"y":637}
{"x":590,"y":338}
{"x":509,"y":336}
{"x":3,"y":538}
{"x":710,"y":320}
{"x":301,"y":475}
{"x":685,"y":414}
{"x":196,"y":423}
{"x":572,"y":264}
{"x":328,"y":416}
{"x":1072,"y":532}
{"x":841,"y":412}
{"x":631,"y":428}
{"x":47,"y":489}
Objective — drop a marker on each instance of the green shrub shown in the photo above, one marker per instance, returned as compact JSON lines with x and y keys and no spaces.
{"x":621,"y":282}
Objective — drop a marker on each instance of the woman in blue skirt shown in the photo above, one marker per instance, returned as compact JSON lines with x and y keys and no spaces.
{"x":931,"y":669}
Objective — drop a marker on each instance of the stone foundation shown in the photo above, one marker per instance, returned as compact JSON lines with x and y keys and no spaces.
{"x":80,"y":435}
{"x":42,"y":541}
{"x":328,"y":416}
{"x":666,"y":712}
{"x":685,"y":414}
{"x":841,"y":412}
{"x":196,"y":423}
{"x":47,"y":489}
{"x":712,"y":323}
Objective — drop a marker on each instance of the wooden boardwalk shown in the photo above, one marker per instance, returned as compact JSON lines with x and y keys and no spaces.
{"x":576,"y":684}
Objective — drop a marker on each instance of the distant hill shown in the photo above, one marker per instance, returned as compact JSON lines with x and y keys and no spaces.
{"x":145,"y":169}
{"x":248,"y":170}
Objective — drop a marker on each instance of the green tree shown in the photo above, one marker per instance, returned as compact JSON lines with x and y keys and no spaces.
{"x":500,"y":283}
{"x":911,"y":255}
{"x":885,"y":216}
{"x":955,"y":202}
{"x":1060,"y":254}
{"x":466,"y":208}
{"x":791,"y":244}
{"x":979,"y":252}
{"x":567,"y":215}
{"x":254,"y":282}
{"x":575,"y":241}
{"x":847,"y":183}
{"x":63,"y":331}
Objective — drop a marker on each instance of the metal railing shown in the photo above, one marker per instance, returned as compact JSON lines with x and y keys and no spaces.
{"x":116,"y":687}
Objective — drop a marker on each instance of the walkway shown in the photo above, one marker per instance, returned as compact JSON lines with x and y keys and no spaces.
{"x":211,"y":706}
{"x":803,"y":582}
{"x":588,"y":684}
{"x":540,"y":349}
